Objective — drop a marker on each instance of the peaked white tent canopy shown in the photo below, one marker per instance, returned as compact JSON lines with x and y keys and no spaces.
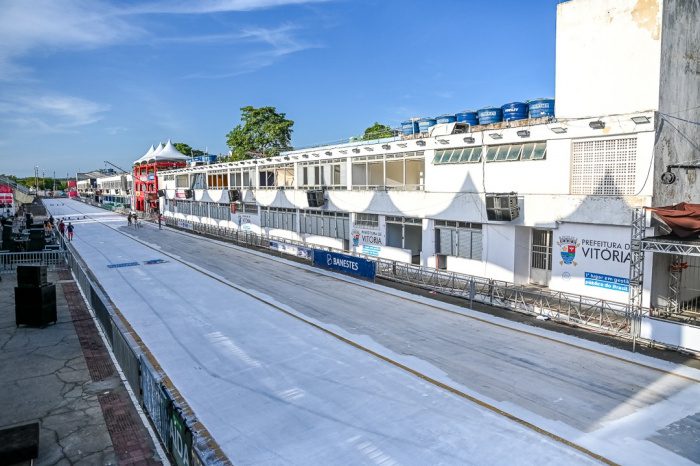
{"x":162,"y":152}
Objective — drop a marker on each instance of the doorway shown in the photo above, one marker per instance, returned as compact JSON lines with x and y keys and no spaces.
{"x":405,"y":233}
{"x":541,"y":257}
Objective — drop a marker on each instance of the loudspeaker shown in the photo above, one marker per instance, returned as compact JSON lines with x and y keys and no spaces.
{"x":161,"y":193}
{"x":234,"y":195}
{"x":502,"y":207}
{"x":315,"y":198}
{"x":188,"y":194}
{"x":35,"y":306}
{"x":31,"y":275}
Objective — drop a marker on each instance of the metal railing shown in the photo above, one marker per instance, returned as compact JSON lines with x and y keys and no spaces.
{"x":54,"y":260}
{"x":602,"y":315}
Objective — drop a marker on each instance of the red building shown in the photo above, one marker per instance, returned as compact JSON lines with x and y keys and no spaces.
{"x":164,"y":157}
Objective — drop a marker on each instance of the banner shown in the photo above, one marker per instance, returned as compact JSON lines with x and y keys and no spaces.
{"x":291,"y":249}
{"x":346,"y":264}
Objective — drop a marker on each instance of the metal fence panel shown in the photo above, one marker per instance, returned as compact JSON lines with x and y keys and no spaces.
{"x":155,"y":401}
{"x":128,"y":358}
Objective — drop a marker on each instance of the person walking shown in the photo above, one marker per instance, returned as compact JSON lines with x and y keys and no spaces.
{"x":136,"y":221}
{"x":62,"y":227}
{"x":128,"y":218}
{"x":69,"y":228}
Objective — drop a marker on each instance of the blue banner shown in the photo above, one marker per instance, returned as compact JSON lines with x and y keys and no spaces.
{"x":608,"y":282}
{"x":347,"y":264}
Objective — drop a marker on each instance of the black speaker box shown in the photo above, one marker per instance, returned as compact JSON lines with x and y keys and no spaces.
{"x":31,"y":275}
{"x":35,"y":306}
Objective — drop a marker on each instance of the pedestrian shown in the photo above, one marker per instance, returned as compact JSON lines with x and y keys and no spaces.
{"x":62,"y":227}
{"x":160,"y":220}
{"x":69,"y":228}
{"x":128,"y":218}
{"x":136,"y":220}
{"x":51,"y":220}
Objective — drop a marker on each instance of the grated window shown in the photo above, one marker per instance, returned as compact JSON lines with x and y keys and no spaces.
{"x":604,"y":167}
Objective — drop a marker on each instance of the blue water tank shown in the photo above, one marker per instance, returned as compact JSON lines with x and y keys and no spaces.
{"x":445,"y":119}
{"x":540,"y":108}
{"x":514,"y":111}
{"x":490,"y":115}
{"x":424,"y":124}
{"x":409,"y":127}
{"x":468,"y":116}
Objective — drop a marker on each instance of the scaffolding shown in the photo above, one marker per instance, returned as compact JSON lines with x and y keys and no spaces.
{"x":667,"y":244}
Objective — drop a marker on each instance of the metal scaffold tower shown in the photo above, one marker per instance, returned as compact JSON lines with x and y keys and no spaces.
{"x":636,"y":286}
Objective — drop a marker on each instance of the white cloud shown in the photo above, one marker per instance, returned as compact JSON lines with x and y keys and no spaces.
{"x":50,"y":112}
{"x":211,"y":6}
{"x":278,"y":42}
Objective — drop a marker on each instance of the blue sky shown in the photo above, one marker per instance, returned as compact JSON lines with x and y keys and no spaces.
{"x":83,"y":81}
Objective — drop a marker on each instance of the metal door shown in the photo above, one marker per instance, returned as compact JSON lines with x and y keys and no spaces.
{"x":541,"y":257}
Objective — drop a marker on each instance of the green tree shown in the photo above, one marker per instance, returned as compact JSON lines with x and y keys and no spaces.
{"x":263,"y":132}
{"x":187,"y":149}
{"x":377,"y":131}
{"x":183,"y":148}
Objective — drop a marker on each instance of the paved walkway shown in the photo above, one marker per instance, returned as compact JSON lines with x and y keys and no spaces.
{"x":62,"y":377}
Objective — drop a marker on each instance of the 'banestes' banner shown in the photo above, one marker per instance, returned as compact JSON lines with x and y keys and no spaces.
{"x":347,"y":264}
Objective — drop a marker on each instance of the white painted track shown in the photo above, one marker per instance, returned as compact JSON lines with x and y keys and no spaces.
{"x":274,"y":390}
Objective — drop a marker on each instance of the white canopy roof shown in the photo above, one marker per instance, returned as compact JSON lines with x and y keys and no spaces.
{"x":162,"y":152}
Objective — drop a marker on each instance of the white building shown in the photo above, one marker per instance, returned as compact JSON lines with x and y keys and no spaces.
{"x":576,"y":177}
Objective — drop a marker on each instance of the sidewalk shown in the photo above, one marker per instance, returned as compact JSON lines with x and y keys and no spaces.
{"x":62,"y":377}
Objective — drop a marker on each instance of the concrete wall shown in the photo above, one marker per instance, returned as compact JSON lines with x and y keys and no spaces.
{"x":607,"y":57}
{"x":677,"y":141}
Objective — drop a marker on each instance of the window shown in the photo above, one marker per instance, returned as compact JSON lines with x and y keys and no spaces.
{"x":402,"y":170}
{"x":283,"y":219}
{"x":499,"y":153}
{"x":220,"y":211}
{"x":367,"y":220}
{"x":604,"y":167}
{"x":182,"y":181}
{"x":198,"y":181}
{"x":217,"y":181}
{"x":331,"y":224}
{"x":458,"y":239}
{"x":328,"y":174}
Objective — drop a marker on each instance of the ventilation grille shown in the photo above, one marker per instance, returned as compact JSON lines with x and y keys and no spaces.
{"x":604,"y":167}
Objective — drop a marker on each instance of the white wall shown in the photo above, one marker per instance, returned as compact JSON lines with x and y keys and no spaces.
{"x":607,"y":57}
{"x":601,"y":250}
{"x":671,"y":333}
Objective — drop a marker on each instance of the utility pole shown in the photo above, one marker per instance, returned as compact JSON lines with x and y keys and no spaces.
{"x":36,"y":180}
{"x":43,"y":181}
{"x":54,"y":182}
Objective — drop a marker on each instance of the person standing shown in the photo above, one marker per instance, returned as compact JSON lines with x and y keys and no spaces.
{"x":128,"y":218}
{"x":62,"y":227}
{"x":69,"y":228}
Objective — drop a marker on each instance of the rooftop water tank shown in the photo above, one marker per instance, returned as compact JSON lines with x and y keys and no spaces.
{"x":409,"y":127}
{"x":514,"y":111}
{"x":490,"y":115}
{"x":468,"y":116}
{"x":445,"y":119}
{"x":540,"y":108}
{"x":424,"y":124}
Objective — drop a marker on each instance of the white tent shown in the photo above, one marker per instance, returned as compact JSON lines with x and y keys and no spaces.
{"x":169,"y":153}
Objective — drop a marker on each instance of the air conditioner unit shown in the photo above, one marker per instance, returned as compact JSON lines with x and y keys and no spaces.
{"x":315,"y":198}
{"x":189,"y":193}
{"x":234,"y":195}
{"x":502,"y":207}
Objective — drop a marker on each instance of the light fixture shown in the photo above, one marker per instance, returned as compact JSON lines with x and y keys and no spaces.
{"x":369,"y":148}
{"x":420,"y":142}
{"x":597,"y":124}
{"x":343,"y":151}
{"x":328,"y":152}
{"x":524,"y":133}
{"x":286,"y":157}
{"x":402,"y":144}
{"x":640,"y":120}
{"x":496,"y":136}
{"x":386,"y":146}
{"x":558,"y":129}
{"x":306,"y":156}
{"x":356,"y":150}
{"x":469,"y":140}
{"x":668,"y":177}
{"x":269,"y":159}
{"x":316,"y":154}
{"x":443,"y":141}
{"x":295,"y":157}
